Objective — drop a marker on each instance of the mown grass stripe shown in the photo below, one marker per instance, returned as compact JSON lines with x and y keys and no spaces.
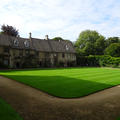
{"x":68,"y":83}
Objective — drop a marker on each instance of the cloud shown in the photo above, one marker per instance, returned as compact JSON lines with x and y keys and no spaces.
{"x":61,"y":18}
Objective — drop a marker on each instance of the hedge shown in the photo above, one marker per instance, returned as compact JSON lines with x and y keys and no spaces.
{"x":98,"y":61}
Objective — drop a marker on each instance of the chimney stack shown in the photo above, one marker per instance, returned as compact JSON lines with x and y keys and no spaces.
{"x":30,"y":35}
{"x":46,"y":37}
{"x":18,"y":36}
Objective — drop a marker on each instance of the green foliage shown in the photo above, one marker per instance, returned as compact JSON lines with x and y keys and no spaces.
{"x":58,"y":38}
{"x":100,"y":46}
{"x":90,"y":43}
{"x":91,"y":61}
{"x":95,"y":61}
{"x":9,"y":30}
{"x":111,"y":40}
{"x":89,"y":48}
{"x":113,"y":50}
{"x":80,"y":52}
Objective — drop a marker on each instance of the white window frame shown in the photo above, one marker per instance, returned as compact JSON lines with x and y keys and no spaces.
{"x":16,"y":42}
{"x":27,"y":44}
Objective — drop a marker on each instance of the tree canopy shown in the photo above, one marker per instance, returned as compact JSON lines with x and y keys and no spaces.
{"x":90,"y":42}
{"x":57,"y":38}
{"x":9,"y":30}
{"x":113,"y":50}
{"x":111,"y":40}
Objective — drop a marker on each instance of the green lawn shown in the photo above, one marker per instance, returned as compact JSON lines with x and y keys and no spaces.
{"x":67,"y":83}
{"x":7,"y":113}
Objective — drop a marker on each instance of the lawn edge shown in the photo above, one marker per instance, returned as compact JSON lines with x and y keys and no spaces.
{"x":55,"y":96}
{"x":11,"y":107}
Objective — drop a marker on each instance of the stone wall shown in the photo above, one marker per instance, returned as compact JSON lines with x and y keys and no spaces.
{"x":20,"y":58}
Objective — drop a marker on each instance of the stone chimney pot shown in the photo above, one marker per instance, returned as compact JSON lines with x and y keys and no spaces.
{"x":46,"y":37}
{"x":30,"y":35}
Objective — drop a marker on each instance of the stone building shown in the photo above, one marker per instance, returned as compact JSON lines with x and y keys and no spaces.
{"x":17,"y":52}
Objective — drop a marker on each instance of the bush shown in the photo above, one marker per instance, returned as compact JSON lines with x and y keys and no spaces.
{"x":95,"y":61}
{"x":87,"y":61}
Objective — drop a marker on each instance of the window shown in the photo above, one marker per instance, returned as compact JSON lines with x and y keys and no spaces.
{"x":21,"y":53}
{"x":6,"y":62}
{"x":40,"y":63}
{"x":55,"y":55}
{"x":16,"y":42}
{"x":26,"y":43}
{"x":27,"y":52}
{"x":63,"y":55}
{"x":37,"y":53}
{"x":67,"y":48}
{"x":6,"y":50}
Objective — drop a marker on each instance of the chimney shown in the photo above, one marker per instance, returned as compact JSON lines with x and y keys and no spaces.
{"x":18,"y":36}
{"x":30,"y":35}
{"x":46,"y":37}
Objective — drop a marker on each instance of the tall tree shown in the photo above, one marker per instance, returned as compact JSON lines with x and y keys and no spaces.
{"x":113,"y":50}
{"x":88,"y":40}
{"x":100,"y":45}
{"x":111,"y":40}
{"x":9,"y":30}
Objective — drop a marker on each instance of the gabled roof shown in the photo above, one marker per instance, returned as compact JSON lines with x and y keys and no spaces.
{"x":37,"y":44}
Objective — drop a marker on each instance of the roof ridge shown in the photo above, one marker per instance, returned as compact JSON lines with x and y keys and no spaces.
{"x":50,"y":45}
{"x":37,"y":44}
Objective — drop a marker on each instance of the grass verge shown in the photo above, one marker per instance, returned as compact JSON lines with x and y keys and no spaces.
{"x":7,"y":113}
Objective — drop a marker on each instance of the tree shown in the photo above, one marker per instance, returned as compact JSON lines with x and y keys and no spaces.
{"x":88,"y":40}
{"x":113,"y":50}
{"x":58,"y":38}
{"x":111,"y":40}
{"x":9,"y":30}
{"x":89,"y":48}
{"x":100,"y":45}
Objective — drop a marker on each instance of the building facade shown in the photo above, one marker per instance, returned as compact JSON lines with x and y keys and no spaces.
{"x":17,"y":52}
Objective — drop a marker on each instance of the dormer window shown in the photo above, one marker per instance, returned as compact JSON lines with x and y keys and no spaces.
{"x":55,"y":55}
{"x":16,"y":42}
{"x":67,"y":48}
{"x":26,"y":43}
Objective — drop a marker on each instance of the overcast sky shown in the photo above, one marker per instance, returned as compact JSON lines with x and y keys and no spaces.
{"x":65,"y":18}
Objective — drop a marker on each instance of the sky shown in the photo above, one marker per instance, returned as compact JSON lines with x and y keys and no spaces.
{"x":63,"y":18}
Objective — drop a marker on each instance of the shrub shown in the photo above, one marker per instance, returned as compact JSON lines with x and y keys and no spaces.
{"x":95,"y":61}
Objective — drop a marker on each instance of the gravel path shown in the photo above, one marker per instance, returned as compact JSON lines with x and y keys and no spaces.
{"x":33,"y":104}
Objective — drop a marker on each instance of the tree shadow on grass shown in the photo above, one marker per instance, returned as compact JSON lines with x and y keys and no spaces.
{"x":61,"y":86}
